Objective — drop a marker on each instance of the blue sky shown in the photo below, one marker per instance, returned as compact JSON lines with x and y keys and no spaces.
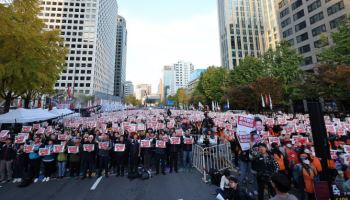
{"x":161,"y":32}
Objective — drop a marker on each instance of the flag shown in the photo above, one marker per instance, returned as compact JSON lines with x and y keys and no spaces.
{"x":262,"y":102}
{"x":19,"y":105}
{"x":270,"y":101}
{"x":228,"y":104}
{"x":267,"y":100}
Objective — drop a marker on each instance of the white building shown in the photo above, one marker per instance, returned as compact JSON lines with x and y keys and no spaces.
{"x":181,"y":75}
{"x":247,"y":27}
{"x":120,"y":57}
{"x":89,"y":30}
{"x":128,"y":88}
{"x":142,"y":90}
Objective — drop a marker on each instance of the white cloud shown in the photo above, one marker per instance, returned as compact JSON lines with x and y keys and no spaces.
{"x":152,"y":45}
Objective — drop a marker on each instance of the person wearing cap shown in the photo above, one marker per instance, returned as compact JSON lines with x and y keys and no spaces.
{"x":7,"y":156}
{"x":281,"y":185}
{"x":265,"y":165}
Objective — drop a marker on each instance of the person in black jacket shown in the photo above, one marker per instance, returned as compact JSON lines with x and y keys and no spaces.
{"x":120,"y":157}
{"x":20,"y":164}
{"x":160,"y":156}
{"x":134,"y":153}
{"x":265,"y":166}
{"x":233,"y":192}
{"x":88,"y":157}
{"x":173,"y":155}
{"x":187,"y":151}
{"x":207,"y":124}
{"x":7,"y":156}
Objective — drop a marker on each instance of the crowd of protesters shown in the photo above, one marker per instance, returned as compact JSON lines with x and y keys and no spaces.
{"x":105,"y":145}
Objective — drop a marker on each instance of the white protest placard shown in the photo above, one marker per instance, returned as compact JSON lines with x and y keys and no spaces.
{"x":274,"y":140}
{"x":347,"y":159}
{"x":346,"y":149}
{"x":40,"y":131}
{"x":141,"y":127}
{"x":88,"y":147}
{"x":145,"y":143}
{"x":188,"y":141}
{"x":58,"y":148}
{"x":26,"y":129}
{"x":160,"y":144}
{"x":62,"y":137}
{"x":73,"y":149}
{"x":175,"y":140}
{"x":28,"y":148}
{"x":44,"y":152}
{"x":245,"y":126}
{"x":20,"y":139}
{"x":103,"y":145}
{"x":119,"y":147}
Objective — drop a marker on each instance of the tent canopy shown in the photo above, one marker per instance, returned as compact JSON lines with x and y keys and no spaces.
{"x":22,"y":115}
{"x":61,"y":112}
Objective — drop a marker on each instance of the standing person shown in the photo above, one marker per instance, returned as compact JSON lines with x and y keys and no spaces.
{"x":87,"y":156}
{"x":244,"y":166}
{"x":20,"y":164}
{"x":160,"y":156}
{"x":173,"y":155}
{"x":147,"y":153}
{"x":207,"y":124}
{"x":35,"y":160}
{"x":187,"y":150}
{"x":74,"y":160}
{"x":7,"y":156}
{"x":134,"y":153}
{"x":103,"y":153}
{"x":265,"y":165}
{"x":49,"y":162}
{"x":279,"y":158}
{"x":61,"y":163}
{"x":281,"y":185}
{"x":120,"y":157}
{"x":304,"y":174}
{"x":292,"y":158}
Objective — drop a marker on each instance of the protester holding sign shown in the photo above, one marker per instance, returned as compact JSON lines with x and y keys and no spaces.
{"x":19,"y":165}
{"x":104,"y":147}
{"x":174,"y":152}
{"x":35,"y":160}
{"x":187,"y":142}
{"x":7,"y":156}
{"x":74,"y":158}
{"x":134,"y":154}
{"x":160,"y":154}
{"x":88,"y":155}
{"x":49,"y":162}
{"x":120,"y":157}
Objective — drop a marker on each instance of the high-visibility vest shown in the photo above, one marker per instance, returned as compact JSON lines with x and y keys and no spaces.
{"x":280,"y":161}
{"x":316,"y":163}
{"x":309,"y":179}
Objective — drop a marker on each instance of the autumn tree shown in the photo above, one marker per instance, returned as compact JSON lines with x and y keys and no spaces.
{"x":31,"y":59}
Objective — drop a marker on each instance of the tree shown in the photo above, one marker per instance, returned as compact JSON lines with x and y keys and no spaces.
{"x":181,"y":96}
{"x":268,"y":86}
{"x":213,"y":83}
{"x":131,"y":99}
{"x":30,"y":59}
{"x":248,"y":70}
{"x":241,"y":97}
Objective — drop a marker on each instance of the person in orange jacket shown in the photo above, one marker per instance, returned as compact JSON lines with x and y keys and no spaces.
{"x":280,"y":159}
{"x":315,"y":161}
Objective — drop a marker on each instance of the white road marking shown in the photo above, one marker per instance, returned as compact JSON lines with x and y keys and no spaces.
{"x":94,"y":186}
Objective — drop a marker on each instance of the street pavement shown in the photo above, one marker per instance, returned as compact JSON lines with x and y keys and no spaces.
{"x":175,"y":186}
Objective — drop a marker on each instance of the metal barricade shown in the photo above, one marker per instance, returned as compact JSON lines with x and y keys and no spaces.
{"x":214,"y":157}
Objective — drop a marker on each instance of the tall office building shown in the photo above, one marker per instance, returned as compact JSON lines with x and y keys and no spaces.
{"x":180,"y":75}
{"x":194,"y":79}
{"x":167,"y":80}
{"x":143,"y":90}
{"x":247,"y":27}
{"x":128,"y":88}
{"x":302,"y":22}
{"x":161,"y":90}
{"x":89,"y":30}
{"x":120,"y":57}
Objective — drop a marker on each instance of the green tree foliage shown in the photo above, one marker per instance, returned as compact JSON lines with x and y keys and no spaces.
{"x":30,"y":59}
{"x":213,"y":82}
{"x":131,"y":99}
{"x":249,"y":69}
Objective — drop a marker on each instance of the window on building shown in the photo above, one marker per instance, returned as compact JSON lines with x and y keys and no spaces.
{"x":304,"y":49}
{"x":318,"y":30}
{"x":321,"y":43}
{"x":314,"y":6}
{"x":291,"y":42}
{"x":300,"y":26}
{"x":284,"y":12}
{"x":335,"y":22}
{"x":297,"y":4}
{"x":319,"y":16}
{"x":335,"y":8}
{"x":287,"y":32}
{"x":298,"y":15}
{"x":306,"y":61}
{"x":302,"y":37}
{"x":286,"y":22}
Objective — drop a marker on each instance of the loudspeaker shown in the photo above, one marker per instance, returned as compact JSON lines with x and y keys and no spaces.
{"x":319,"y":135}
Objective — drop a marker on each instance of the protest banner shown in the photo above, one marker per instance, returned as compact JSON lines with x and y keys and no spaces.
{"x":274,"y":140}
{"x":28,"y":148}
{"x":88,"y":147}
{"x":4,"y":135}
{"x":188,"y":140}
{"x":26,"y":129}
{"x":175,"y":140}
{"x":73,"y":149}
{"x":58,"y":148}
{"x":245,"y":126}
{"x":103,"y":145}
{"x":160,"y":144}
{"x":40,"y":131}
{"x":145,"y":143}
{"x":62,"y":137}
{"x":119,"y":147}
{"x":20,"y":139}
{"x":346,"y":149}
{"x":44,"y":152}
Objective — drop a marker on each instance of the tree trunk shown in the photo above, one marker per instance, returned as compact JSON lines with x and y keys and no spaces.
{"x":7,"y":104}
{"x":26,"y":102}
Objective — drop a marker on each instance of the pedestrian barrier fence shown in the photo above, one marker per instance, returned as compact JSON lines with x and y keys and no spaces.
{"x":213,"y":157}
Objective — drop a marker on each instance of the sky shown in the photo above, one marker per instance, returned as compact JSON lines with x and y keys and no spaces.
{"x":162,"y":32}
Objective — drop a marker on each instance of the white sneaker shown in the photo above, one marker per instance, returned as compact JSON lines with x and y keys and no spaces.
{"x":14,"y":180}
{"x":44,"y":180}
{"x":47,"y":179}
{"x":19,"y":180}
{"x":35,"y":180}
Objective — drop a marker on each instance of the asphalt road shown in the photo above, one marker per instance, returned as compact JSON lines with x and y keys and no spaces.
{"x":183,"y":185}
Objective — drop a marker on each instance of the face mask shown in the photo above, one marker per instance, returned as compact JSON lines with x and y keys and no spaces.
{"x":306,"y":162}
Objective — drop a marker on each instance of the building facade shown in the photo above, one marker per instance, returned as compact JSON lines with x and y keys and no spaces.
{"x":89,"y":29}
{"x":247,"y":27}
{"x":180,"y":75}
{"x":128,"y":88}
{"x":120,"y":57}
{"x":167,"y":80}
{"x":194,"y":78}
{"x":303,"y":23}
{"x":142,"y":90}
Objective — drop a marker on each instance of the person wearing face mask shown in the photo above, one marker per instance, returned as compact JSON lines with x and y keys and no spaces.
{"x":87,"y":156}
{"x":304,"y":175}
{"x":280,"y":158}
{"x":292,"y":158}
